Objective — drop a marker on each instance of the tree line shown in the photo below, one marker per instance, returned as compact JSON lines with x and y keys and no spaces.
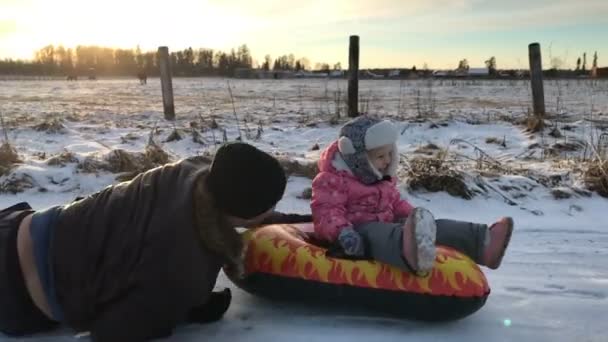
{"x":103,"y":61}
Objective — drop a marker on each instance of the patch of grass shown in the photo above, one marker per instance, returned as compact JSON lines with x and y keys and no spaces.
{"x":563,"y":147}
{"x":428,"y":149}
{"x":534,"y":124}
{"x":494,"y":140}
{"x":17,"y":183}
{"x":435,"y":175}
{"x":128,"y":137}
{"x":560,"y":194}
{"x":174,"y":136}
{"x":214,"y":124}
{"x":50,"y":126}
{"x":8,"y":158}
{"x":122,"y":161}
{"x":155,"y":155}
{"x":308,"y":169}
{"x":62,"y":159}
{"x":596,"y":177}
{"x":568,"y":128}
{"x":128,"y":164}
{"x":556,"y":133}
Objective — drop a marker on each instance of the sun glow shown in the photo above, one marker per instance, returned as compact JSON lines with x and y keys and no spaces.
{"x":394,"y":33}
{"x":119,"y":24}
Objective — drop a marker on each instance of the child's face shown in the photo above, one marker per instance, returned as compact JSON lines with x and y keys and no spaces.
{"x":381,"y":157}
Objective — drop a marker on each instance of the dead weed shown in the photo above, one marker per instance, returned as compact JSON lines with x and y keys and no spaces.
{"x":8,"y":158}
{"x":596,"y":177}
{"x":434,"y":175}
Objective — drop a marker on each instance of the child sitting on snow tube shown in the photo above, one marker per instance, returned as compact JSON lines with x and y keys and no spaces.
{"x":356,"y":205}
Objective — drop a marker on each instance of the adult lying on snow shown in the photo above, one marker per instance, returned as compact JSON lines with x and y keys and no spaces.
{"x":132,"y":261}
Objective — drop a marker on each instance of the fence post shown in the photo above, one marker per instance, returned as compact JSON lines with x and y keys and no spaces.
{"x":536,"y":80}
{"x":353,"y":77}
{"x":166,"y":82}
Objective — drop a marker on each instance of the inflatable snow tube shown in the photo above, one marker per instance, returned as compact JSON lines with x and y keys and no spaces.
{"x":281,"y":263}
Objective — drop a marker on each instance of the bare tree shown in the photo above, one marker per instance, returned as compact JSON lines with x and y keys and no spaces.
{"x":584,"y":62}
{"x":491,"y":64}
{"x":595,"y":60}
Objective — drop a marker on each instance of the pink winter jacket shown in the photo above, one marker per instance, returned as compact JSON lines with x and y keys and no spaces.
{"x":339,"y":200}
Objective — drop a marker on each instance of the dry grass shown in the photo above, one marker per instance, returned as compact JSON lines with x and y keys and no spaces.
{"x":428,"y":149}
{"x":90,"y":165}
{"x":128,"y":137}
{"x":174,"y":136}
{"x":128,"y":164}
{"x":214,"y":124}
{"x":17,"y":183}
{"x":560,"y":193}
{"x":62,"y":159}
{"x":122,"y":161}
{"x":155,"y":155}
{"x":196,"y":136}
{"x":534,"y":124}
{"x":50,"y":126}
{"x":596,"y":177}
{"x":497,"y":141}
{"x":559,"y":148}
{"x":556,"y":133}
{"x":8,"y":158}
{"x":434,"y":175}
{"x":308,"y":169}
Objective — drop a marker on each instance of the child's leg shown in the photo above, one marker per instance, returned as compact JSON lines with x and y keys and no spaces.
{"x":466,"y":237}
{"x":386,"y":242}
{"x":383,"y":242}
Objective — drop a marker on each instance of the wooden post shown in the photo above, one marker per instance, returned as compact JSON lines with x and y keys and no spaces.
{"x":536,"y":80}
{"x":353,"y":77}
{"x":166,"y":83}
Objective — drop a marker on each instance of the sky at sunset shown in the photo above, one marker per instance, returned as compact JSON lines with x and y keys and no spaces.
{"x":394,"y":33}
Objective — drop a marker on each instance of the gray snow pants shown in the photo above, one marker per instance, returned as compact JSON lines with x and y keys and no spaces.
{"x":383,"y":241}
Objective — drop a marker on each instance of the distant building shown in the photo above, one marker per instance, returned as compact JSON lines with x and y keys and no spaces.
{"x":245,"y":73}
{"x":262,"y":74}
{"x":441,"y":73}
{"x":478,"y":72}
{"x":336,"y":73}
{"x":394,"y":73}
{"x":366,"y":74}
{"x":310,"y":74}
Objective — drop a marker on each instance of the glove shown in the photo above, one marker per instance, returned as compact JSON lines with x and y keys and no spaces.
{"x":351,"y":242}
{"x":213,"y":310}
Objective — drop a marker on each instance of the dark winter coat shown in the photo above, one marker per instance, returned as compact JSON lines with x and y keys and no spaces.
{"x":133,"y":260}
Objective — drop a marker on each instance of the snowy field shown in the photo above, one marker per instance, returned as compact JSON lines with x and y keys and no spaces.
{"x":74,"y":138}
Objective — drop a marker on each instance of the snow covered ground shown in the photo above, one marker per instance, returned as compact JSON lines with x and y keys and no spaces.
{"x":553,"y":285}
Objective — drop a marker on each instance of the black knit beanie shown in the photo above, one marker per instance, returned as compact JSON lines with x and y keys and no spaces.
{"x":245,"y":181}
